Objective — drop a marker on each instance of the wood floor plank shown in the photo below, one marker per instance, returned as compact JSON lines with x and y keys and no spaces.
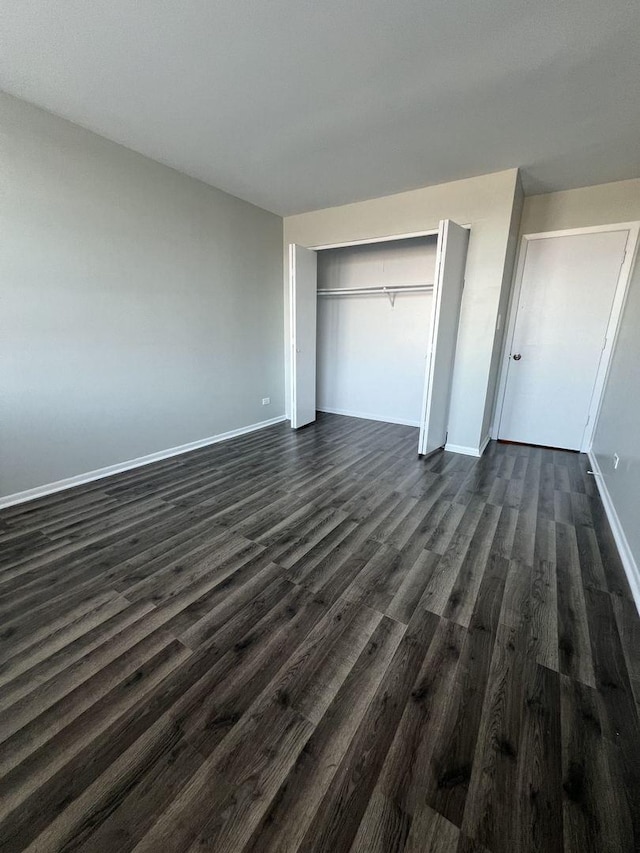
{"x":385,"y":826}
{"x":200,"y":620}
{"x":316,"y":640}
{"x":151,"y":721}
{"x":338,"y":816}
{"x":35,"y":795}
{"x":538,"y":795}
{"x":26,"y":672}
{"x":314,"y":673}
{"x":407,"y":769}
{"x":25,"y":632}
{"x":543,"y":606}
{"x":438,"y":590}
{"x":629,"y":632}
{"x":462,"y":600}
{"x":68,"y":694}
{"x":439,"y":526}
{"x":205,"y":794}
{"x":546,"y":493}
{"x":617,"y":582}
{"x":495,"y":768}
{"x":256,"y":775}
{"x":619,"y":716}
{"x":77,"y":636}
{"x":574,"y":643}
{"x":430,"y":831}
{"x":291,"y":811}
{"x":408,"y":594}
{"x":123,"y":804}
{"x":228,"y":691}
{"x":379,"y":579}
{"x":593,"y":818}
{"x":590,"y":558}
{"x":447,"y":781}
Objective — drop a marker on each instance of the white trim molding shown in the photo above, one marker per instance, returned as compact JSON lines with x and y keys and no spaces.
{"x":110,"y":470}
{"x":367,"y":416}
{"x":367,"y":241}
{"x":468,"y":451}
{"x":624,"y":549}
{"x":483,"y":445}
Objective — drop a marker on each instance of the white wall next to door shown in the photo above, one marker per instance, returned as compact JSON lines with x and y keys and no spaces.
{"x":371,"y":356}
{"x":585,"y":207}
{"x":140,"y":309}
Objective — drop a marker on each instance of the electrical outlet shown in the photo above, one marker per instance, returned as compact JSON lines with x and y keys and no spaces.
{"x":616,"y":460}
{"x":266,"y":401}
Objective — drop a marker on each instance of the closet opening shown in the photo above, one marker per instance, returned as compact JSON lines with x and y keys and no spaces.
{"x":374,"y":329}
{"x":373,"y":318}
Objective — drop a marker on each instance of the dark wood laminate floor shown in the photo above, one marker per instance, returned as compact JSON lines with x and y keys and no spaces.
{"x":316,"y":641}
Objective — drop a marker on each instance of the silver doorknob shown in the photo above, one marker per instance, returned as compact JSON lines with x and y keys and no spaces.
{"x":517,"y":357}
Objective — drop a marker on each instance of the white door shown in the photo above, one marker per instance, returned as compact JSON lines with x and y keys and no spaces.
{"x":566,"y":296}
{"x":447,"y":296}
{"x":303,"y":270}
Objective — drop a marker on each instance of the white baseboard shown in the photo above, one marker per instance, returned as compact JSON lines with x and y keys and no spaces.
{"x":468,"y":451}
{"x":99,"y":473}
{"x":368,"y":417}
{"x":624,"y":549}
{"x":483,"y":445}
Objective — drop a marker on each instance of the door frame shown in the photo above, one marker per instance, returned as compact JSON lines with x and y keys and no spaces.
{"x":293,"y":317}
{"x":619,"y":299}
{"x":363,"y":241}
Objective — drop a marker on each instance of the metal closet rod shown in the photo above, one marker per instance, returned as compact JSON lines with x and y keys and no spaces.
{"x":390,"y":288}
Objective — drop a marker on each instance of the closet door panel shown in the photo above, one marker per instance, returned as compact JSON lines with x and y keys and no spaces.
{"x":447,"y":296}
{"x":302,"y":299}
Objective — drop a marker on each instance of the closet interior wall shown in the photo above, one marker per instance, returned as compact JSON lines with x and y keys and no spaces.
{"x":371,"y":354}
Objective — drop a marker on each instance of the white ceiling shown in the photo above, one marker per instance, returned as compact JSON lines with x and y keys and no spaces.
{"x":300,"y":104}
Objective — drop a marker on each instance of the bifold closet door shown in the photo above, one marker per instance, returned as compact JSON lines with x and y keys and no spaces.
{"x":303,"y":273}
{"x":447,"y":296}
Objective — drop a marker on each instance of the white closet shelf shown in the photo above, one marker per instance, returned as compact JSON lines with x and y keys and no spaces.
{"x":383,"y":288}
{"x":389,"y":290}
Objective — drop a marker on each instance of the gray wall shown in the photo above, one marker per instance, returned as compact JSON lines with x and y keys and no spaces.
{"x":618,"y":429}
{"x":139,"y":309}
